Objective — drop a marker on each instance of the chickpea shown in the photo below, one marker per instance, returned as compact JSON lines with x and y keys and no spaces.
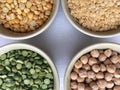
{"x":116,"y":81}
{"x":108,"y":52}
{"x":86,"y":67}
{"x":117,"y":65}
{"x":108,"y":61}
{"x":94,"y":86}
{"x":95,"y":53}
{"x":78,"y":64}
{"x":82,"y":73}
{"x":114,"y":53}
{"x":115,"y":59}
{"x":102,"y":57}
{"x":110,"y":84}
{"x":102,"y":68}
{"x":117,"y":74}
{"x":79,"y":79}
{"x":108,"y":76}
{"x":73,"y":85}
{"x":88,"y":55}
{"x":101,"y":84}
{"x":92,"y":61}
{"x":84,"y":59}
{"x":88,"y":80}
{"x":100,"y":75}
{"x":91,"y":74}
{"x":116,"y":88}
{"x":111,"y":68}
{"x":96,"y":68}
{"x":81,"y":86}
{"x":74,"y":76}
{"x":76,"y":70}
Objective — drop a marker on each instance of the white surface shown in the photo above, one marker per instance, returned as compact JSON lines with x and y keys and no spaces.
{"x":61,"y":42}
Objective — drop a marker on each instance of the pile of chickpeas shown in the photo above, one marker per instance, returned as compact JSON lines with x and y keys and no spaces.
{"x":24,"y":15}
{"x":96,"y":70}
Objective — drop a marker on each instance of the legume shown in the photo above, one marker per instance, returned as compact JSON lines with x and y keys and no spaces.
{"x":25,"y":15}
{"x":25,"y":70}
{"x":96,"y":70}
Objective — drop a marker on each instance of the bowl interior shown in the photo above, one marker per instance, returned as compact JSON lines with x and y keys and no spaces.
{"x":111,"y":46}
{"x":13,"y":35}
{"x":10,"y":47}
{"x":85,"y":30}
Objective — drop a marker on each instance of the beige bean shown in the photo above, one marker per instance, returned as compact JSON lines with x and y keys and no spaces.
{"x":100,"y":75}
{"x":84,"y":59}
{"x":74,"y":76}
{"x":108,"y":52}
{"x":95,"y":53}
{"x":78,"y":64}
{"x":102,"y":57}
{"x":111,"y":68}
{"x":82,"y":73}
{"x":92,"y":61}
{"x":102,"y":84}
{"x":73,"y":85}
{"x":96,"y":68}
{"x":91,"y":74}
{"x":108,"y":76}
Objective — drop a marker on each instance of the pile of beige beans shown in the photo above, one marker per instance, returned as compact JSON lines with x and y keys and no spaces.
{"x":24,"y":15}
{"x":96,"y":70}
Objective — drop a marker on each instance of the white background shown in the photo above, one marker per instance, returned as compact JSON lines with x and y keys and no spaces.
{"x":61,"y":42}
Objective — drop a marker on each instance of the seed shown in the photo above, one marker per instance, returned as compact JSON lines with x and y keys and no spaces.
{"x":23,"y":1}
{"x":30,"y":15}
{"x":19,"y":11}
{"x":9,"y":1}
{"x":5,"y":10}
{"x":26,"y":10}
{"x":21,"y":6}
{"x":28,"y":4}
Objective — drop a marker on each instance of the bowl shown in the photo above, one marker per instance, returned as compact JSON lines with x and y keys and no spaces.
{"x":5,"y":33}
{"x":19,"y":46}
{"x":86,"y":31}
{"x":111,"y":46}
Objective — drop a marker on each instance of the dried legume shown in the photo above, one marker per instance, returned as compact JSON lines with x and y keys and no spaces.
{"x":25,"y":70}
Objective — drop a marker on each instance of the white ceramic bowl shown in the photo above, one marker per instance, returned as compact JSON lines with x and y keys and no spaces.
{"x":111,"y":46}
{"x":106,"y":34}
{"x":16,"y":46}
{"x":5,"y":33}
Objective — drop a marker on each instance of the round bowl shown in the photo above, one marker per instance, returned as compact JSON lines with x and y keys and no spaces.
{"x":16,"y":46}
{"x":86,"y":31}
{"x":111,"y":46}
{"x":5,"y":33}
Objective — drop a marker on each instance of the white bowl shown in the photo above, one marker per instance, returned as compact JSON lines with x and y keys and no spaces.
{"x":111,"y":46}
{"x":86,"y":31}
{"x":16,"y":46}
{"x":5,"y":33}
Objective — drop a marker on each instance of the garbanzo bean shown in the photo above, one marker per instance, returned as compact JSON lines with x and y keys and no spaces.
{"x":97,"y":70}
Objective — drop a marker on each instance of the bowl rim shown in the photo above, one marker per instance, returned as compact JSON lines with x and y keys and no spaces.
{"x":40,"y":30}
{"x":67,"y":14}
{"x":15,"y":46}
{"x":82,"y":52}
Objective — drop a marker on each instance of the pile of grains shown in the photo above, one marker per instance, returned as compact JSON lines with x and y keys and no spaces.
{"x":25,"y":70}
{"x":96,"y":15}
{"x":24,"y":15}
{"x":96,"y":70}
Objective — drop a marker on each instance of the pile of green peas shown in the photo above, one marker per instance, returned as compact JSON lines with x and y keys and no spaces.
{"x":25,"y":70}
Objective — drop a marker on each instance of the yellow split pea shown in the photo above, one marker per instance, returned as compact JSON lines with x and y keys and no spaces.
{"x":24,"y":15}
